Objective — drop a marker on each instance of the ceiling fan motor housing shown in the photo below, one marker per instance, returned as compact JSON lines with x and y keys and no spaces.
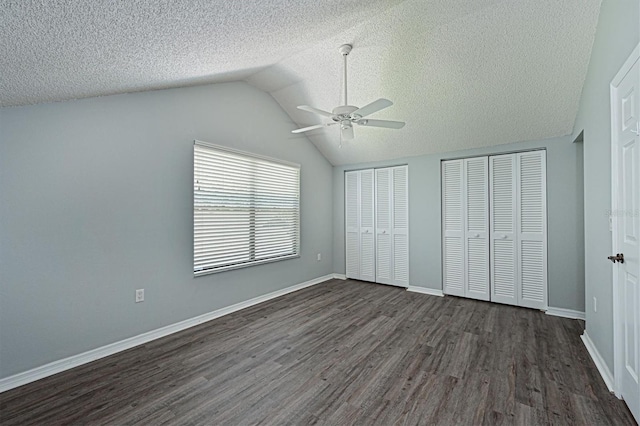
{"x":344,"y":112}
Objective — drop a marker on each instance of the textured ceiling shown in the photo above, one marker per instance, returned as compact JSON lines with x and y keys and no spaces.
{"x":462,"y":73}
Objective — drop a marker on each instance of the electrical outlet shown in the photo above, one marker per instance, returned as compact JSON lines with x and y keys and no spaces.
{"x":319,"y":257}
{"x":140,"y":295}
{"x":595,"y":305}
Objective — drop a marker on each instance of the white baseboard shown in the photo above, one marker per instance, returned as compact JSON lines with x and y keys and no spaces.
{"x":425,"y":290}
{"x":565,"y":313}
{"x":599,"y":361}
{"x":55,"y":367}
{"x":339,"y":276}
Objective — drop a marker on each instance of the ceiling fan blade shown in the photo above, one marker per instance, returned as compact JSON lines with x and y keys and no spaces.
{"x":315,"y":111}
{"x":306,"y":129}
{"x":316,"y":126}
{"x":374,"y":106}
{"x":389,"y":124}
{"x":347,"y":133}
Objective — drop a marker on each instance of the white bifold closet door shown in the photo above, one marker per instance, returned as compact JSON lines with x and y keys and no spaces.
{"x":352,"y":223}
{"x":453,"y":263}
{"x":383,"y":227}
{"x":400,"y":228}
{"x":359,"y":221}
{"x":502,"y":171}
{"x":392,"y":226}
{"x":465,"y":212}
{"x":476,"y":204}
{"x":519,"y":229}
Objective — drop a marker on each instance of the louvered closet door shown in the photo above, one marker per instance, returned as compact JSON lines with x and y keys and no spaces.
{"x":476,"y":221}
{"x":367,"y":229}
{"x":532,"y":229}
{"x":453,"y":259}
{"x":503,"y":187}
{"x":352,"y":224}
{"x":384,"y":258}
{"x":400,"y":225}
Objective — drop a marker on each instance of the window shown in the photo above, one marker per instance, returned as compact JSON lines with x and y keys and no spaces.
{"x":246,"y":209}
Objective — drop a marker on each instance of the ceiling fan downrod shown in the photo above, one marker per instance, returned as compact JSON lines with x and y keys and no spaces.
{"x":344,"y":51}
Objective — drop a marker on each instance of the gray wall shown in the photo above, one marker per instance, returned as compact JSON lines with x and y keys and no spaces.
{"x":96,"y":201}
{"x":565,"y":213}
{"x":617,"y":35}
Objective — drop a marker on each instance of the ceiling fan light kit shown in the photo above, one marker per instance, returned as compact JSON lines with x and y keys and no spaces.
{"x":346,"y":114}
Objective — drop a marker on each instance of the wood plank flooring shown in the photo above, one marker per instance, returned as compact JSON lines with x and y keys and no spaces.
{"x":339,"y":353}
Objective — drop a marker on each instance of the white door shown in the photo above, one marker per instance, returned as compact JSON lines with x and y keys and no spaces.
{"x":384,"y":258}
{"x":359,"y":221}
{"x":502,"y":172}
{"x":392,"y":225}
{"x":453,"y":259}
{"x":476,"y":227}
{"x":532,"y":229}
{"x":518,"y":193}
{"x":400,"y":225}
{"x":367,"y":234}
{"x":352,"y":223}
{"x":465,"y":224}
{"x":626,"y":226}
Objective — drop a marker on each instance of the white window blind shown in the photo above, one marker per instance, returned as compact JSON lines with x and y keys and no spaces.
{"x":246,"y":209}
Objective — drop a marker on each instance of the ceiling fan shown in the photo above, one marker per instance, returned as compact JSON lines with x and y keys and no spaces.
{"x":346,"y":115}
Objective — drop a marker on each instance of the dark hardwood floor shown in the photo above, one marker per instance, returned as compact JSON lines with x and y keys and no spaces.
{"x":341,"y":352}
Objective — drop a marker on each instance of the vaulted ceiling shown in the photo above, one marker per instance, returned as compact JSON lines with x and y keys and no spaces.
{"x":461,"y":73}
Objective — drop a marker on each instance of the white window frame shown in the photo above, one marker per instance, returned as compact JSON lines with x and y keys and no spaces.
{"x":242,"y":155}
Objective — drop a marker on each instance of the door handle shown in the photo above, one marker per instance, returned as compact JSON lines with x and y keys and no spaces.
{"x":617,"y":258}
{"x":476,"y":235}
{"x":504,"y":237}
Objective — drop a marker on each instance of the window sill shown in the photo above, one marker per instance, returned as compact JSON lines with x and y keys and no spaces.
{"x":243,"y":265}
